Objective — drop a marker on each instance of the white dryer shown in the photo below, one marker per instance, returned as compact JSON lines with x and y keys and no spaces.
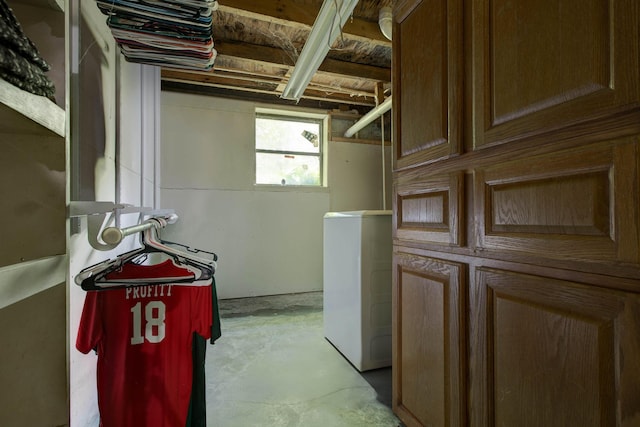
{"x":357,"y":286}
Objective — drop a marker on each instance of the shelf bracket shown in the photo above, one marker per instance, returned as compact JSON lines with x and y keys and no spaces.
{"x":101,"y":215}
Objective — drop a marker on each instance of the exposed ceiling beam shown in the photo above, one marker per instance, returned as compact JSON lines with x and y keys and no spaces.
{"x":291,"y":13}
{"x":312,"y":100}
{"x":250,"y":82}
{"x":277,"y":56}
{"x":257,"y":43}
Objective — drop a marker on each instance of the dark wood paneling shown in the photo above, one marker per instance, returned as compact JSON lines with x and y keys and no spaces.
{"x":428,"y":210}
{"x":551,"y":352}
{"x":576,"y":204}
{"x":428,"y":341}
{"x":427,"y":127}
{"x":569,"y":204}
{"x":546,"y":64}
{"x":547,"y":207}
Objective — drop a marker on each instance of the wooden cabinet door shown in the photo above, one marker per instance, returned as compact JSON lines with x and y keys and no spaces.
{"x":428,"y":209}
{"x":428,"y":341}
{"x":551,"y":353}
{"x":568,"y":206}
{"x":540,"y":205}
{"x":543,"y":64}
{"x":427,"y":91}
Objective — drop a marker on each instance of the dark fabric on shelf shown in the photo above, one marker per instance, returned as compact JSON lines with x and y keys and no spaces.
{"x":21,"y":73}
{"x":20,"y":61}
{"x":13,"y":37}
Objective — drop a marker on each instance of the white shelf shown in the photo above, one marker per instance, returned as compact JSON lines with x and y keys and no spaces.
{"x":32,"y":142}
{"x":51,"y":4}
{"x":20,"y":281}
{"x":26,"y":113}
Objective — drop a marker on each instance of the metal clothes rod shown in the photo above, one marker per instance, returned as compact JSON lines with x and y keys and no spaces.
{"x":114,"y":235}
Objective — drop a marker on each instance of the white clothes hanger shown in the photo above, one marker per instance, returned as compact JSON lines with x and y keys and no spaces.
{"x":192,"y":267}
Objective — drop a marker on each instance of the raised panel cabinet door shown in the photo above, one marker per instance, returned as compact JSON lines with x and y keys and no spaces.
{"x":429,"y":210}
{"x":552,"y":353}
{"x":541,"y":65}
{"x":579,"y":204}
{"x":428,"y":341}
{"x":427,"y":88}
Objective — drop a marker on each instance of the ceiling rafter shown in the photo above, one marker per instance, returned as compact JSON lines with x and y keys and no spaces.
{"x":257,"y":43}
{"x":294,"y":14}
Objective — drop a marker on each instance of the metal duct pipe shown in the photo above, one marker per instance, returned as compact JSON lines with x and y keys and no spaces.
{"x":385,"y":21}
{"x":369,"y":117}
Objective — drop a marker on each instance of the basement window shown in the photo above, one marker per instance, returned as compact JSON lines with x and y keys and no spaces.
{"x":289,"y":149}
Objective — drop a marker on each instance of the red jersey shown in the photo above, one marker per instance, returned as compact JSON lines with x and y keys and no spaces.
{"x":143,"y":337}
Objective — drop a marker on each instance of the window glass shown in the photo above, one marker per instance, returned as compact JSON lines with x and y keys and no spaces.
{"x":288,"y":150}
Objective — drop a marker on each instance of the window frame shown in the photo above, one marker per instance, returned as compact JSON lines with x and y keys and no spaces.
{"x":321,"y":119}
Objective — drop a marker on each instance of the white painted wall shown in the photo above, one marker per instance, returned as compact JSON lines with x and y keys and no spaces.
{"x":268,"y":239}
{"x":124,"y":171}
{"x":355,"y":177}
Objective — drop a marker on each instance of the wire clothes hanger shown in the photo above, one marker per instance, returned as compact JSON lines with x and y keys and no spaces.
{"x":183,"y":265}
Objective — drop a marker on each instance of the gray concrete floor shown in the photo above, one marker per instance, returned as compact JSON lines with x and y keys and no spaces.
{"x":273,"y":367}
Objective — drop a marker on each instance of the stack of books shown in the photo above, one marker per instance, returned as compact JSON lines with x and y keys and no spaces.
{"x":167,"y":33}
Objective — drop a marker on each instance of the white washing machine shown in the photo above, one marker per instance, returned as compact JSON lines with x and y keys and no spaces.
{"x":357,"y":286}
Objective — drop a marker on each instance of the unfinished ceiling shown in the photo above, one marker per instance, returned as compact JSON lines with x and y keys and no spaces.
{"x":258,"y":42}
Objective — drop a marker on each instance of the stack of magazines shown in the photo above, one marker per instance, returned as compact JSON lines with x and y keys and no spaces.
{"x":167,"y":33}
{"x":20,"y":61}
